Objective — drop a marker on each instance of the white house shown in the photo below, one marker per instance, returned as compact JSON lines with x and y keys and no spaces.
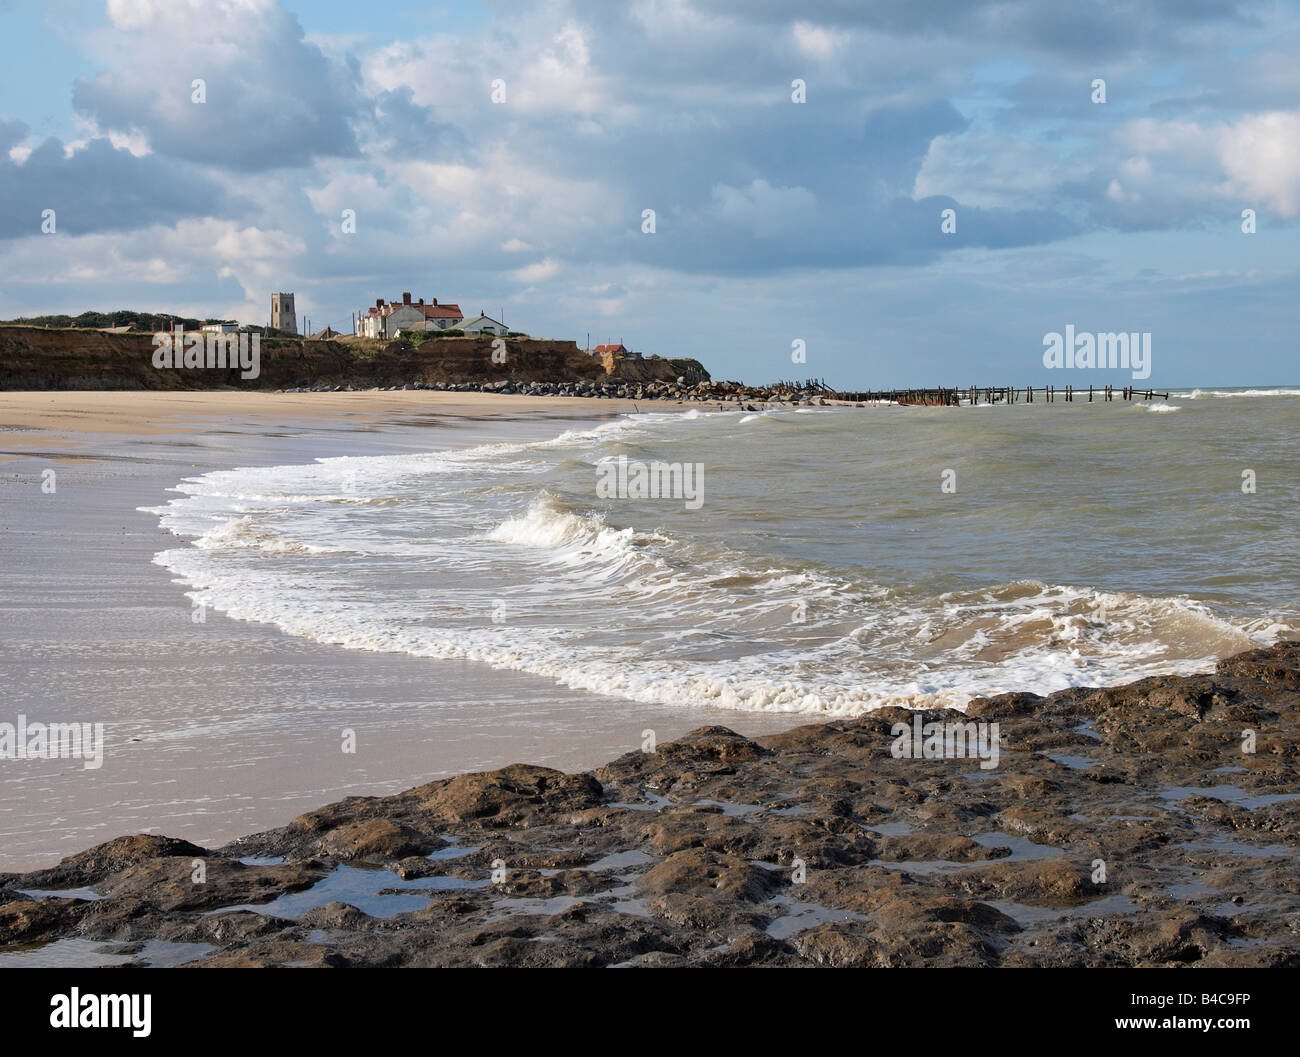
{"x":389,"y":320}
{"x":482,"y":324}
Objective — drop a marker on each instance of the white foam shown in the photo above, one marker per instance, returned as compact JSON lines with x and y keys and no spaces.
{"x":417,"y":553}
{"x":1197,"y":394}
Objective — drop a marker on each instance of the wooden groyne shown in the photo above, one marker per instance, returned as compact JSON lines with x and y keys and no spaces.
{"x":1003,"y":394}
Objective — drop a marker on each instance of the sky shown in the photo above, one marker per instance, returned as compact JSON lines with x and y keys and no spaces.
{"x":798,"y":159}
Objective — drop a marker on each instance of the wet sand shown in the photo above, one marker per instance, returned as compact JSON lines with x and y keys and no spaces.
{"x":61,"y":419}
{"x":221,"y":728}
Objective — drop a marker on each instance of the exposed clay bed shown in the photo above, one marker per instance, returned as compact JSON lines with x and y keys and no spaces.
{"x":684,"y":856}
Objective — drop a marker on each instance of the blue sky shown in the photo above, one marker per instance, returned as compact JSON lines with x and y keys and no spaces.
{"x":776,"y":221}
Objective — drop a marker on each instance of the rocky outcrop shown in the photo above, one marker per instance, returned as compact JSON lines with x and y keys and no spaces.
{"x":1152,"y":824}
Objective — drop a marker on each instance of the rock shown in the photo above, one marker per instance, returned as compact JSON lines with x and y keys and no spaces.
{"x":93,"y":865}
{"x":508,"y":797}
{"x":814,"y":847}
{"x":170,"y":883}
{"x":24,"y":920}
{"x":373,"y":838}
{"x":697,"y":872}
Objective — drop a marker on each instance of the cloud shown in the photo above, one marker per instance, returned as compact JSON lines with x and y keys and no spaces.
{"x":681,"y":106}
{"x":200,"y":254}
{"x":100,"y":188}
{"x":272,"y":98}
{"x":538,"y":272}
{"x":1261,"y":155}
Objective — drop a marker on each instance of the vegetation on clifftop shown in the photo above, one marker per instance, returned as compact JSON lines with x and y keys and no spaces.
{"x":142,"y":321}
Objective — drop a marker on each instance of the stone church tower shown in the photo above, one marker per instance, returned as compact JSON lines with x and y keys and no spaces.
{"x":283,"y":317}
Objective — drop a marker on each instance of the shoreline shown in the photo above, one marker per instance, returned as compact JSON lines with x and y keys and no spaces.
{"x":681,"y":856}
{"x":49,"y":416}
{"x":1120,"y":826}
{"x":218,"y":728}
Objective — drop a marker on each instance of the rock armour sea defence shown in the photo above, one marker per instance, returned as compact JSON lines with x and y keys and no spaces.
{"x":1123,"y":826}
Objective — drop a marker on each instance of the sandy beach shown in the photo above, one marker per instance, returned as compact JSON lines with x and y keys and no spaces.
{"x":62,"y":420}
{"x":352,"y":784}
{"x":219,"y":728}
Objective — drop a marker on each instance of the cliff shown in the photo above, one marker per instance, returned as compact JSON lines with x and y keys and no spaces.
{"x":38,"y":358}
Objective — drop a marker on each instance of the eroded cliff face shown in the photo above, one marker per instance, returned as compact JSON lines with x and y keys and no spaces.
{"x":623,"y":369}
{"x":36,"y":358}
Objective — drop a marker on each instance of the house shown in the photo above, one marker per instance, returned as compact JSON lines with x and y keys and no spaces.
{"x":389,"y":320}
{"x":482,"y":324}
{"x":220,"y":328}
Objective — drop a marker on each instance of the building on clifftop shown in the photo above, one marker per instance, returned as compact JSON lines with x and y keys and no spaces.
{"x":283,"y":314}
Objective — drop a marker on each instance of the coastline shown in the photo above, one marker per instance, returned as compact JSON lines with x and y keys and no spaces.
{"x":218,"y":728}
{"x":685,"y":855}
{"x":68,"y":419}
{"x":1123,"y":826}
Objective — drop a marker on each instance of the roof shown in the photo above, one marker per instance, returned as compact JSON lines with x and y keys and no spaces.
{"x":483,"y":319}
{"x":440,"y":311}
{"x":611,"y":348}
{"x":430,"y":311}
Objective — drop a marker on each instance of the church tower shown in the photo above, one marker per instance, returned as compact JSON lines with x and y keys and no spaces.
{"x":283,"y":314}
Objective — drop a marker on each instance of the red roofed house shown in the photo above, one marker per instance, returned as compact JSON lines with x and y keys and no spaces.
{"x":389,"y":320}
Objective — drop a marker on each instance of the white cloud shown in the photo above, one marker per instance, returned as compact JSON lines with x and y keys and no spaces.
{"x":990,"y":171}
{"x":1261,"y":155}
{"x":816,"y":42}
{"x":539,"y":272}
{"x":198,"y":251}
{"x":1255,"y":159}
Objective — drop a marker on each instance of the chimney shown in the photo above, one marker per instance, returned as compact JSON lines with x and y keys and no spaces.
{"x":434,"y":301}
{"x":406,"y":297}
{"x":421,"y":300}
{"x":379,"y":302}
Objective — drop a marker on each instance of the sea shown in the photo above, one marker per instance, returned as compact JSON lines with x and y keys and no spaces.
{"x":823,"y":561}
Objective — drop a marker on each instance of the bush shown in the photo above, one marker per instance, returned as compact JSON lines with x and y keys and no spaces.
{"x":145,"y":321}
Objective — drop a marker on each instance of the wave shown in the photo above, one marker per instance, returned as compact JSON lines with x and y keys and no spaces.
{"x":1197,"y":394}
{"x":491,"y":554}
